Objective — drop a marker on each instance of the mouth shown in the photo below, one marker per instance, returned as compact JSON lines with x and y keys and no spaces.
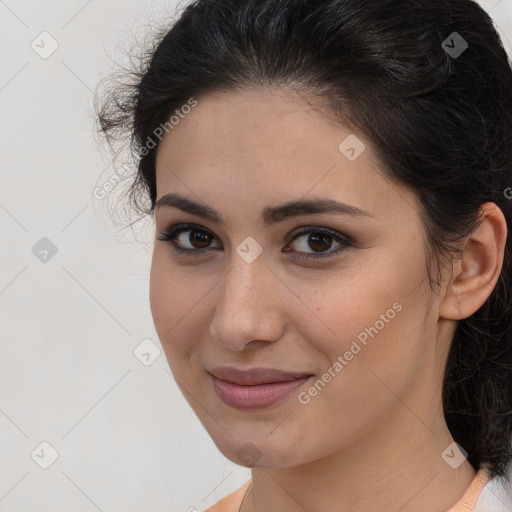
{"x":255,"y":388}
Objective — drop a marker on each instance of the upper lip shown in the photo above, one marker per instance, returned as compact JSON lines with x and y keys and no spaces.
{"x":255,"y":376}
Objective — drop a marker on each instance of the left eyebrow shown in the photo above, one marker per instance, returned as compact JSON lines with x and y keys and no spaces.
{"x":271,"y":214}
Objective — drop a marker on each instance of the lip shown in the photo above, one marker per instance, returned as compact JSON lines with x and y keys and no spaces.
{"x":255,"y":388}
{"x":255,"y":376}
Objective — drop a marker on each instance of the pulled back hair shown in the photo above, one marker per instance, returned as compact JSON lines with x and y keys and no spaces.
{"x":441,"y":124}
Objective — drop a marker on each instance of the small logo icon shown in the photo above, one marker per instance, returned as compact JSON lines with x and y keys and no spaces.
{"x":351,"y":147}
{"x":44,"y":455}
{"x":147,"y":352}
{"x":454,"y":45}
{"x":249,"y":249}
{"x":44,"y":45}
{"x":454,"y":455}
{"x":249,"y":454}
{"x":44,"y":250}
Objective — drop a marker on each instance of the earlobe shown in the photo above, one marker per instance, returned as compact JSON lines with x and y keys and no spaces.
{"x":477,"y":271}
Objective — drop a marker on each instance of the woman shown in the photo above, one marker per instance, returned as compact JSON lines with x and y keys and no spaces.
{"x":331,"y":272}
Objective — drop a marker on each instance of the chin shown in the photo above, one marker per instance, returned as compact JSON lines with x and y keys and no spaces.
{"x":258,"y":451}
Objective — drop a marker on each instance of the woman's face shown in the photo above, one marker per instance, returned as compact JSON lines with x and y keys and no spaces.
{"x":360,"y":320}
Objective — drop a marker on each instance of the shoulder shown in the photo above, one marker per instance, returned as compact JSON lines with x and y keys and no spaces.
{"x":496,"y":496}
{"x":231,"y":502}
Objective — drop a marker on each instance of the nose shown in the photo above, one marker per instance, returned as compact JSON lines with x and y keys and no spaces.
{"x":249,"y":308}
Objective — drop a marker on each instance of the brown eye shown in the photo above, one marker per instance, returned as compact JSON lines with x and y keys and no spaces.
{"x":187,"y":238}
{"x":319,"y":241}
{"x":199,"y":239}
{"x":192,"y":240}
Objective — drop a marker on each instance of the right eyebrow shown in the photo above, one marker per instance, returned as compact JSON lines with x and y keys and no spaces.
{"x":271,"y":214}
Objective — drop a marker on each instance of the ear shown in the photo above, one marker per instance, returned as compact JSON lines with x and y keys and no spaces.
{"x":476,"y":273}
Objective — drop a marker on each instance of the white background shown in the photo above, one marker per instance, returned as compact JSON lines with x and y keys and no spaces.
{"x":126,"y":438}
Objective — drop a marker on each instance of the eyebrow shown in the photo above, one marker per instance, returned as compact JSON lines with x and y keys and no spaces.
{"x":271,"y":214}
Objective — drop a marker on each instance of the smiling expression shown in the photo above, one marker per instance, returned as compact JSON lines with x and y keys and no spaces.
{"x":293,"y":251}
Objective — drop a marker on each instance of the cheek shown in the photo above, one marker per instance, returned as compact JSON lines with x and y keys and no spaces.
{"x":176,"y":299}
{"x":168,"y":303}
{"x":378,"y":353}
{"x":161,"y":294}
{"x":372,"y":313}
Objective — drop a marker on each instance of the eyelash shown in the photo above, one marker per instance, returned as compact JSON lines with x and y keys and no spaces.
{"x":169,"y":236}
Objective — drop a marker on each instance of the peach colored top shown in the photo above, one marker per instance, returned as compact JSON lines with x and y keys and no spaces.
{"x":232,"y":502}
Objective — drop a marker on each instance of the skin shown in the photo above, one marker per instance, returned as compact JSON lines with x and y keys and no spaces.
{"x":372,"y":438}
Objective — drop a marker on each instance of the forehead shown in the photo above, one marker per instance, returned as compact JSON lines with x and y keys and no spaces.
{"x":263,"y":127}
{"x":266,"y":140}
{"x":238,"y":121}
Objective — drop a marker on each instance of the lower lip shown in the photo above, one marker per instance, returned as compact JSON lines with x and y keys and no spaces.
{"x":255,"y":397}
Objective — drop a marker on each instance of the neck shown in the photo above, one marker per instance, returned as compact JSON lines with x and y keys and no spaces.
{"x":397,"y":467}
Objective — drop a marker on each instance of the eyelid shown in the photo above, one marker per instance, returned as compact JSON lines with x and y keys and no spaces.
{"x":308,"y":228}
{"x":170,"y":234}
